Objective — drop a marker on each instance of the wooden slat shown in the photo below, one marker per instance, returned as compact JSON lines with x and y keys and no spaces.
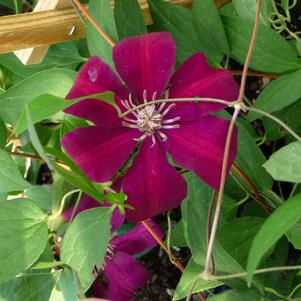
{"x":35,"y":55}
{"x":51,"y":27}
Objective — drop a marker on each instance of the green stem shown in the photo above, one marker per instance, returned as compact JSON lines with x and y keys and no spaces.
{"x":277,"y":120}
{"x":169,"y":237}
{"x":198,"y":99}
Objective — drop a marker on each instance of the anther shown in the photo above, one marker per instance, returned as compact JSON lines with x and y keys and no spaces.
{"x":168,"y":109}
{"x":171,"y":120}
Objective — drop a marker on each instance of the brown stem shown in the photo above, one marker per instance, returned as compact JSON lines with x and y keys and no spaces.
{"x":238,"y":107}
{"x":249,"y":54}
{"x":18,"y":154}
{"x":207,"y":269}
{"x":164,"y":247}
{"x":93,"y":22}
{"x":259,"y":198}
{"x":255,"y":74}
{"x":209,"y":218}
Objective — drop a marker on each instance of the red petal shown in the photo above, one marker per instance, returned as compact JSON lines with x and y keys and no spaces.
{"x":138,"y":239}
{"x":195,"y":78}
{"x":125,"y":275}
{"x":151,"y":184}
{"x":199,"y":146}
{"x":96,"y":77}
{"x":98,"y":152}
{"x":146,"y":62}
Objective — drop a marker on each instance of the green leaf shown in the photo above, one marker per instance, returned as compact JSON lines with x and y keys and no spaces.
{"x":64,"y":55}
{"x":129,"y":18}
{"x":192,"y":270}
{"x":10,"y":178}
{"x":294,"y":235}
{"x":272,"y":52}
{"x":279,"y":94}
{"x":249,"y":295}
{"x":290,"y":116}
{"x":14,"y":100}
{"x":70,"y":123}
{"x":236,"y":236}
{"x":250,"y":159}
{"x":3,"y":134}
{"x":24,"y":233}
{"x":169,"y":17}
{"x":209,"y":27}
{"x":101,"y":11}
{"x":41,"y":195}
{"x":246,"y":9}
{"x":178,"y":236}
{"x":194,"y":215}
{"x":46,"y":105}
{"x":285,"y":164}
{"x":275,"y":226}
{"x":36,"y":141}
{"x":86,"y":241}
{"x":65,"y":289}
{"x":30,"y":287}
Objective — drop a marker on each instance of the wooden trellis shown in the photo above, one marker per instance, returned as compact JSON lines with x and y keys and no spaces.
{"x":52,"y":22}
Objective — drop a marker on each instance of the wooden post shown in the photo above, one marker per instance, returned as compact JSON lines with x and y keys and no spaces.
{"x":35,"y":55}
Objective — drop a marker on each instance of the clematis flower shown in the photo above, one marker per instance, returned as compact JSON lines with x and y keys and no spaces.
{"x":123,"y":273}
{"x":186,"y":131}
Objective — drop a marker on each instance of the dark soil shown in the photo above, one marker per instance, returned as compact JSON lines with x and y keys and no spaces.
{"x":164,"y":275}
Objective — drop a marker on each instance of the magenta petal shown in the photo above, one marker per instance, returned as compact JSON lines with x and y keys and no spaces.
{"x":146,"y":62}
{"x":96,"y":77}
{"x":195,"y":78}
{"x":99,"y":289}
{"x":97,"y":111}
{"x":125,"y":275}
{"x":151,"y":184}
{"x":138,"y":239}
{"x":98,"y":152}
{"x":199,"y":146}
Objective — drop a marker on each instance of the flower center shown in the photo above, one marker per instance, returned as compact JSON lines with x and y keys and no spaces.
{"x":149,"y":119}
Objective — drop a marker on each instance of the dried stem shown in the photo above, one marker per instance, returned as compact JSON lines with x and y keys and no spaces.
{"x":209,"y":218}
{"x":18,"y":154}
{"x":93,"y":22}
{"x":207,"y":269}
{"x":258,"y":196}
{"x":164,"y":247}
{"x":255,"y":74}
{"x":249,"y":55}
{"x":238,"y":107}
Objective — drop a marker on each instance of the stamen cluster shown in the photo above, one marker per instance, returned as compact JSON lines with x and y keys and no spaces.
{"x":149,"y":119}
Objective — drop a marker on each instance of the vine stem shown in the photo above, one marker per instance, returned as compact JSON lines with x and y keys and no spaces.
{"x":249,"y":54}
{"x":197,"y":99}
{"x":258,"y":196}
{"x":176,"y":262}
{"x":260,"y":271}
{"x":255,"y":74}
{"x":238,"y":107}
{"x":208,"y":261}
{"x":277,"y":120}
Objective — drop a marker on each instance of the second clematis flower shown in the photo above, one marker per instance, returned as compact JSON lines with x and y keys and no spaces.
{"x":185,"y":130}
{"x":123,"y":273}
